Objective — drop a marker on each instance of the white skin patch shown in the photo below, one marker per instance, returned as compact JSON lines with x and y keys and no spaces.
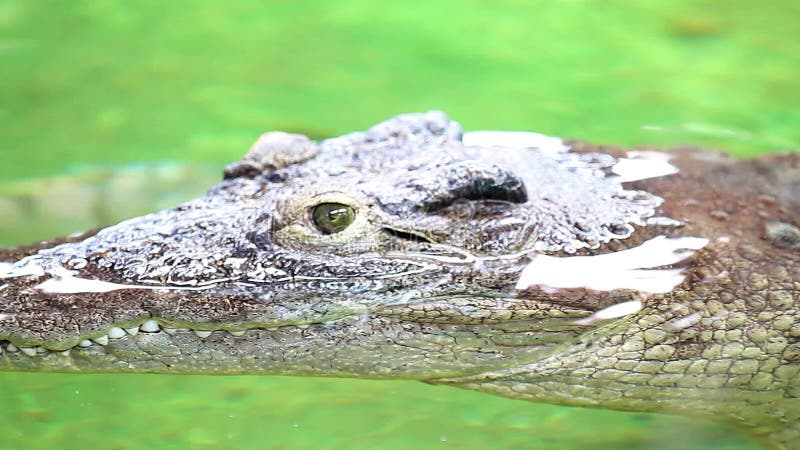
{"x":684,"y":322}
{"x":612,"y":312}
{"x":65,"y":282}
{"x":642,"y":165}
{"x":664,"y":222}
{"x":514,"y":139}
{"x":23,"y":268}
{"x":627,"y":269}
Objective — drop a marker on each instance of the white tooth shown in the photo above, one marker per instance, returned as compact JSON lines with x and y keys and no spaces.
{"x":12,"y":348}
{"x":30,"y":351}
{"x":303,"y":326}
{"x":85,"y":343}
{"x":65,"y":353}
{"x":132,"y":331}
{"x":272,"y":329}
{"x":237,"y":333}
{"x":41,"y":349}
{"x":202,"y":333}
{"x":102,"y":340}
{"x":151,"y":326}
{"x":116,"y":333}
{"x":170,"y":331}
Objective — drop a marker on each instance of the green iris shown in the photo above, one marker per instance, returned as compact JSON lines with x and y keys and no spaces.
{"x":332,"y":218}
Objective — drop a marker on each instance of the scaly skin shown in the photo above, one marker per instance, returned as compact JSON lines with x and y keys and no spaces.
{"x":500,"y":262}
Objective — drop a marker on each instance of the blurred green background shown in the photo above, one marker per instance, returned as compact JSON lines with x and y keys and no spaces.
{"x":111,"y":109}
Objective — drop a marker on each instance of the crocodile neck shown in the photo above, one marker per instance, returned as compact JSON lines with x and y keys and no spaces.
{"x":728,"y":347}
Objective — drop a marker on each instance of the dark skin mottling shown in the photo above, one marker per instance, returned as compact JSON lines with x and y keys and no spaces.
{"x":423,"y":284}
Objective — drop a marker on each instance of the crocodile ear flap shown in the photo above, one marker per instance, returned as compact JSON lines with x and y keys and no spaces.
{"x":272,"y":151}
{"x":474,"y":181}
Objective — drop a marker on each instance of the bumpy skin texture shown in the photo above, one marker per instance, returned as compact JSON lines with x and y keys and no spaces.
{"x":443,"y":275}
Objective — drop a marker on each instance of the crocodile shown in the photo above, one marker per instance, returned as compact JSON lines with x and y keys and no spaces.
{"x":511,"y":263}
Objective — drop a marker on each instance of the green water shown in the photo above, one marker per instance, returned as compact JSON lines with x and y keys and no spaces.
{"x":106,"y":84}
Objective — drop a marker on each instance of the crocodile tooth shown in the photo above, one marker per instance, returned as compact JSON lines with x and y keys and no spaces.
{"x":272,"y":329}
{"x":116,"y":333}
{"x":151,"y":326}
{"x":237,"y":332}
{"x":12,"y":348}
{"x":41,"y":349}
{"x":202,"y":333}
{"x":132,"y":331}
{"x":170,"y":331}
{"x":64,"y":353}
{"x":85,"y":343}
{"x":102,"y":340}
{"x":30,"y":351}
{"x":303,"y":326}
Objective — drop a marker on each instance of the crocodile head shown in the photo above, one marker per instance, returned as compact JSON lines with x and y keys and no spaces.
{"x":363,"y":255}
{"x":512,"y":263}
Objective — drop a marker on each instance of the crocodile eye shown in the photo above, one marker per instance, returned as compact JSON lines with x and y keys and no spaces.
{"x":332,"y":218}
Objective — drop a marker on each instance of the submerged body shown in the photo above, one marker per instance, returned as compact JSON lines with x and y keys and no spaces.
{"x":509,"y":263}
